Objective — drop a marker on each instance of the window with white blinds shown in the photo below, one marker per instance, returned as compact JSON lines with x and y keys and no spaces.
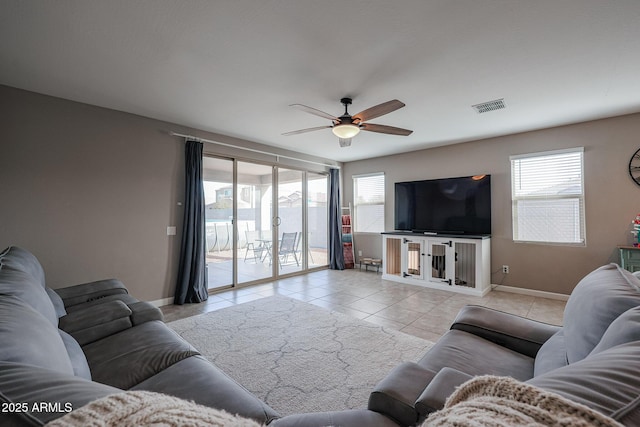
{"x":547,"y":193}
{"x":368,"y":203}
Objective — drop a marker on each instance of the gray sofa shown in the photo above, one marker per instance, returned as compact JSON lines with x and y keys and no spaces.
{"x":70,"y":346}
{"x":594,"y":359}
{"x":65,"y":348}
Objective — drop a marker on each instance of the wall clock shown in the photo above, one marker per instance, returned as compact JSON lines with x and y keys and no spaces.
{"x":634,"y":167}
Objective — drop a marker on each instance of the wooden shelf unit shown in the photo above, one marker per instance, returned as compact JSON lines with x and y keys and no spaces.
{"x":347,"y":238}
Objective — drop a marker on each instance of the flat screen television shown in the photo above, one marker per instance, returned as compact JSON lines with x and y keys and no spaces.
{"x":444,"y":206}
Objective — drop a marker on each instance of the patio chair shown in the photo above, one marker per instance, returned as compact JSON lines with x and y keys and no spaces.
{"x":256,"y":248}
{"x":299,"y":252}
{"x":287,"y":247}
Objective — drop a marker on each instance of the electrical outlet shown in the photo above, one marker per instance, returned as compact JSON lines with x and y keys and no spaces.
{"x":505,"y":269}
{"x":359,"y":253}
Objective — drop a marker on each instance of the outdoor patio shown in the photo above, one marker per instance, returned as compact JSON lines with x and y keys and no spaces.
{"x":220,"y":266}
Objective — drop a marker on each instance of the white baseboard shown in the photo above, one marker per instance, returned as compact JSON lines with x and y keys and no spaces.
{"x":532,"y":292}
{"x":161,"y":302}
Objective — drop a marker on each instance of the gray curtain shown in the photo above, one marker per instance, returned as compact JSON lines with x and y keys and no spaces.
{"x":336,"y":256}
{"x":192,"y":271}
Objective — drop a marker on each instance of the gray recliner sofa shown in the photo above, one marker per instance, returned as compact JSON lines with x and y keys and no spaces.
{"x":593,"y":359}
{"x":61,"y":349}
{"x":67,"y":347}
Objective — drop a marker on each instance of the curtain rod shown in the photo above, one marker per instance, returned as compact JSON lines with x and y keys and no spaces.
{"x":277,"y":156}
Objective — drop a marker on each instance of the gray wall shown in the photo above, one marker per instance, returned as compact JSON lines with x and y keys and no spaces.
{"x":612,"y":199}
{"x":90,"y":191}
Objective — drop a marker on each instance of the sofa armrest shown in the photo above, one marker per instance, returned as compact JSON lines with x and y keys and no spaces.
{"x":516,"y":333}
{"x":97,"y":322}
{"x":394,"y":395}
{"x":85,"y":292}
{"x":439,"y":389}
{"x":144,"y":312}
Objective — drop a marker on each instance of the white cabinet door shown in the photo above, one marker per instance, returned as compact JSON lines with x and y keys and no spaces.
{"x":441,"y":256}
{"x":413,"y":258}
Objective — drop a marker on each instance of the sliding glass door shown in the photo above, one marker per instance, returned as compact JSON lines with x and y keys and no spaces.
{"x":218,"y":198}
{"x":250,"y":238}
{"x":317,"y":219}
{"x":290,"y":220}
{"x":255,"y":222}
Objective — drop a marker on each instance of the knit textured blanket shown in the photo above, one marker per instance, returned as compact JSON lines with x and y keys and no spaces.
{"x":486,"y":401}
{"x":504,"y":402}
{"x":144,"y":408}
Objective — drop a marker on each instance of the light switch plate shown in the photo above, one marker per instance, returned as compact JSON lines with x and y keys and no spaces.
{"x":171,"y":231}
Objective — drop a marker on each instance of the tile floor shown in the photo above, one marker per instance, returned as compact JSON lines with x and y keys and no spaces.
{"x":415,"y":310}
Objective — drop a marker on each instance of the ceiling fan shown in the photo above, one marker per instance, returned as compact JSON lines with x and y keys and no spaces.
{"x":347,"y":126}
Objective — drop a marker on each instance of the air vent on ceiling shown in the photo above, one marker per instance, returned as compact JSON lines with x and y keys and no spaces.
{"x":485,"y":107}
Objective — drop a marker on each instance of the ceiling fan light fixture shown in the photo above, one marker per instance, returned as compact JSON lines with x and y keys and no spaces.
{"x":345,"y":131}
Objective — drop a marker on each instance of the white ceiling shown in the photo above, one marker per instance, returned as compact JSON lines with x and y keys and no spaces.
{"x":233,"y":66}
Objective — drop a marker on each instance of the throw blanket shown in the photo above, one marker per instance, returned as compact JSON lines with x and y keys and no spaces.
{"x":486,"y":401}
{"x":505,"y":402}
{"x":144,"y":408}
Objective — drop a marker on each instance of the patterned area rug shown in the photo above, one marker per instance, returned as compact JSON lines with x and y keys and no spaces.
{"x":298,"y":357}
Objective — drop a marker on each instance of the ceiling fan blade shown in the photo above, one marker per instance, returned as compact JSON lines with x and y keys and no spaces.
{"x":344,"y":142}
{"x":379,"y":110}
{"x":296,"y":132}
{"x":385,"y":129}
{"x":314,"y":111}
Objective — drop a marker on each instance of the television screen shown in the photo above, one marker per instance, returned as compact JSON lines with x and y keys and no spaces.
{"x":447,"y":206}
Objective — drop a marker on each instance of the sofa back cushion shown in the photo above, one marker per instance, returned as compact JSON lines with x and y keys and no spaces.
{"x":23,"y":260}
{"x":599,"y":298}
{"x":76,"y":356}
{"x":57,"y":302}
{"x":552,"y":355}
{"x":625,"y":329}
{"x":22,"y":285}
{"x":27,"y":337}
{"x":607,"y":382}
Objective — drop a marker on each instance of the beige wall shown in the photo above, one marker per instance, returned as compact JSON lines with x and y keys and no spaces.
{"x":612,"y":199}
{"x":90,"y":191}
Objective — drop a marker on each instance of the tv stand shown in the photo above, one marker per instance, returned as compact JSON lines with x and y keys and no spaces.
{"x":450,"y":262}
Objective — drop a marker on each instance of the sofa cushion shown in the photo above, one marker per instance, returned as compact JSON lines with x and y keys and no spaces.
{"x":97,"y":322}
{"x":57,"y":302}
{"x":208,"y":385}
{"x":28,"y":384}
{"x":27,"y":337}
{"x":552,"y":355}
{"x":135,"y":354}
{"x":626,"y":328}
{"x":22,"y":260}
{"x":24,"y":286}
{"x":607,"y":382}
{"x":352,"y":417}
{"x":596,"y":301}
{"x":125,"y":298}
{"x":473,"y":355}
{"x":76,"y":356}
{"x":92,"y":291}
{"x":144,"y":408}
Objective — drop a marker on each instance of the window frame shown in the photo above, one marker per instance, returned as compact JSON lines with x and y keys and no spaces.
{"x":549,"y":197}
{"x":355,"y":205}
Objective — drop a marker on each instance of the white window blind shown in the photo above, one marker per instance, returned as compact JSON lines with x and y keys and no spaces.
{"x":547,"y":193}
{"x":368,"y":203}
